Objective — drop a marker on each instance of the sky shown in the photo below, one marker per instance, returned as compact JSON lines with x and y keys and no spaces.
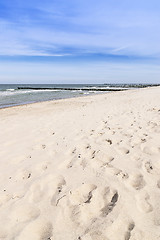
{"x":79,"y":41}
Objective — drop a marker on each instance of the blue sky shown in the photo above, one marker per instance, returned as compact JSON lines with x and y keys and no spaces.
{"x":79,"y":41}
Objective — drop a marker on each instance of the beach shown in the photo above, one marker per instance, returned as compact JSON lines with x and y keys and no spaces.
{"x":85,"y":168}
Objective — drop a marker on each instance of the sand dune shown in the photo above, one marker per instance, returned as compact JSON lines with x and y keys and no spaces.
{"x":82,"y":169}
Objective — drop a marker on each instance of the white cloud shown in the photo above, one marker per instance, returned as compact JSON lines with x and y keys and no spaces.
{"x":100,"y":26}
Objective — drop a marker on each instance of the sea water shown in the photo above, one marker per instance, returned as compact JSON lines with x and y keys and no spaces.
{"x":10,"y":95}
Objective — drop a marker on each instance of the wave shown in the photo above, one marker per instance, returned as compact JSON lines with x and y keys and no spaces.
{"x":9,"y":92}
{"x":10,"y":89}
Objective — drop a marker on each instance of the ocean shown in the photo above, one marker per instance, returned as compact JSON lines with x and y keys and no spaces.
{"x":19,"y":94}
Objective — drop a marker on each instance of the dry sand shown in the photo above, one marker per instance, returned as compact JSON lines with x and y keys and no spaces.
{"x":82,"y":169}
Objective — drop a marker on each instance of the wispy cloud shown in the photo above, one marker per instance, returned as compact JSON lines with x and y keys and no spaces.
{"x":120,"y":49}
{"x":112,"y":39}
{"x":28,"y":28}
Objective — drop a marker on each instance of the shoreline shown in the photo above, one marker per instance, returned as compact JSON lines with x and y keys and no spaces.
{"x":76,"y":97}
{"x":61,"y":99}
{"x":83,"y":95}
{"x":88,"y":165}
{"x":14,"y":101}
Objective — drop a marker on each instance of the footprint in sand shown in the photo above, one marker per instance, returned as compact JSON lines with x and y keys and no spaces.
{"x":123,"y":150}
{"x":143,"y":202}
{"x":23,"y":174}
{"x":151,"y":147}
{"x":128,"y":233}
{"x":152,"y":167}
{"x":89,"y":202}
{"x":110,"y":205}
{"x":123,"y":175}
{"x":150,"y":150}
{"x":70,"y":163}
{"x":148,"y":166}
{"x":82,"y":194}
{"x":58,"y":192}
{"x":36,"y":193}
{"x":100,"y":159}
{"x":110,"y":169}
{"x":24,"y":213}
{"x":137,"y":181}
{"x":38,"y":230}
{"x":49,"y":188}
{"x":136,"y":141}
{"x":121,"y":229}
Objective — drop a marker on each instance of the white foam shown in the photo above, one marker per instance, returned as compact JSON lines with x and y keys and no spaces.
{"x":9,"y":92}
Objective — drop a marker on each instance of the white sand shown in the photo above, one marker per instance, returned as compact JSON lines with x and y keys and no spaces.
{"x":82,"y":169}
